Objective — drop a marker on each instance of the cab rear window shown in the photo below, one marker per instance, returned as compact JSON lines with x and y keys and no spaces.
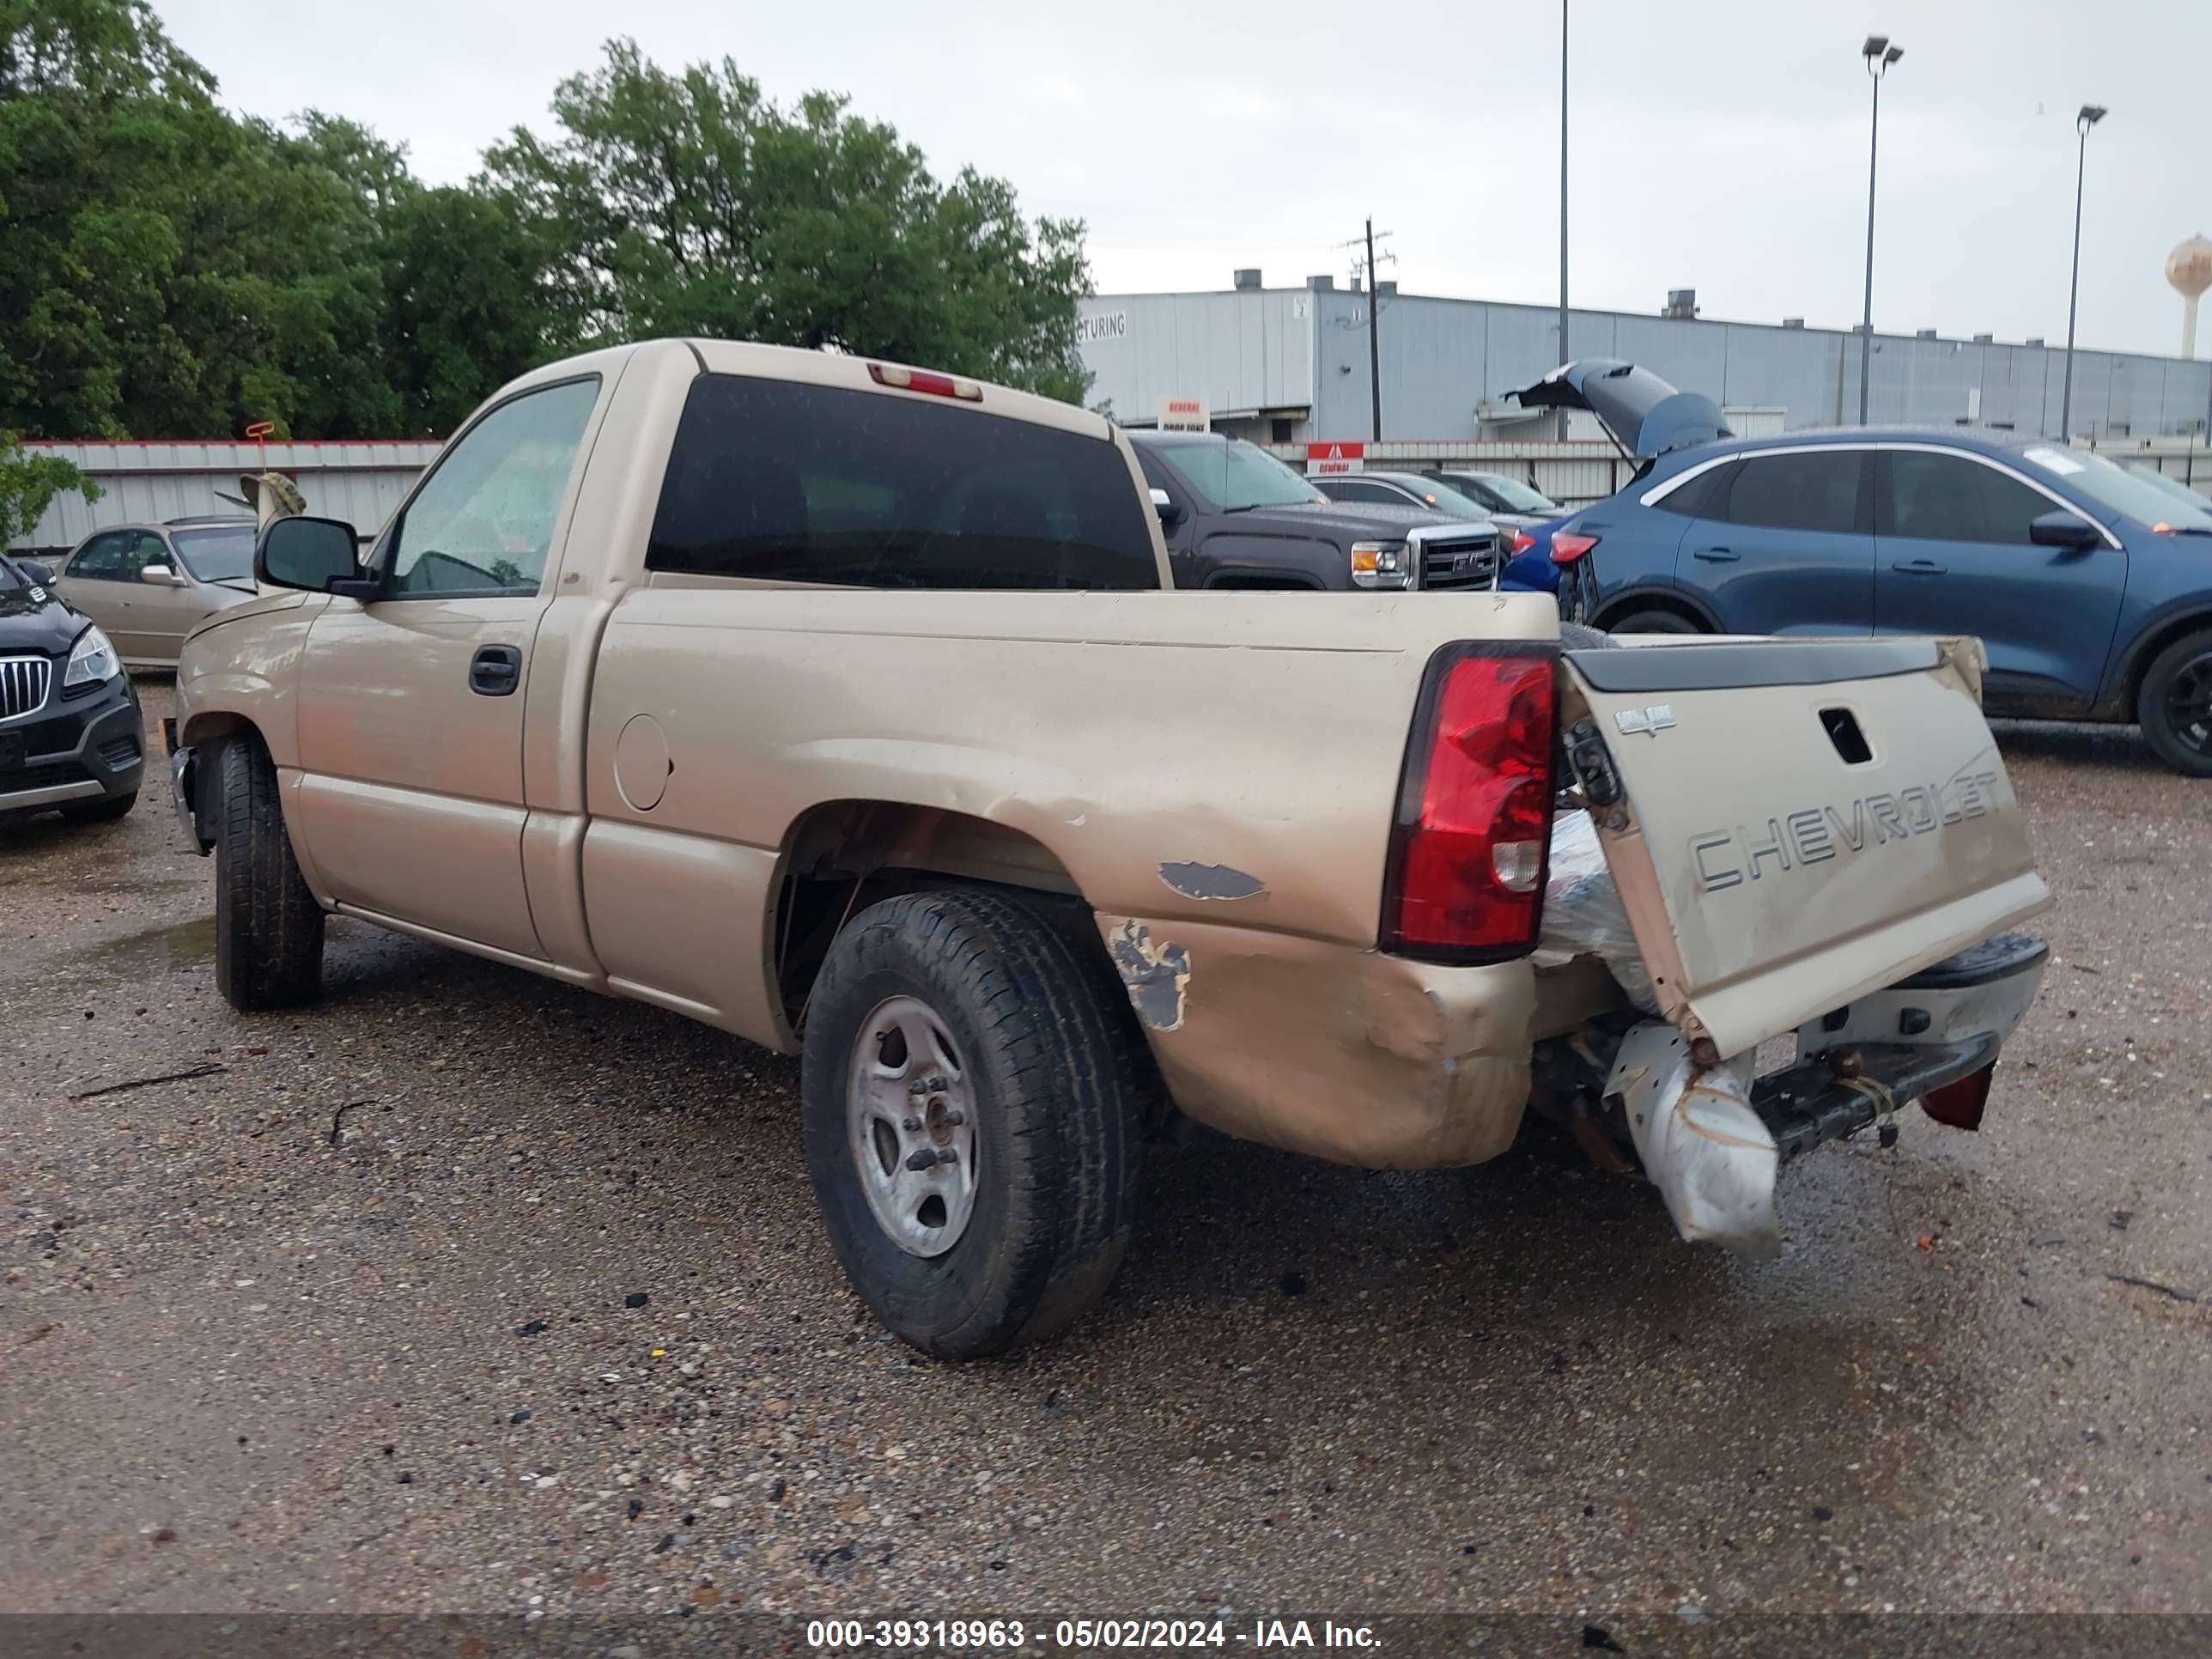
{"x":779,"y":481}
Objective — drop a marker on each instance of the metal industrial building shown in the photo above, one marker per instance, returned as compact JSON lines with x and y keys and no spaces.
{"x":360,"y":480}
{"x":1290,"y":366}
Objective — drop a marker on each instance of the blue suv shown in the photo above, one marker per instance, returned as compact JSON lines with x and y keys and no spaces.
{"x":2090,"y":586}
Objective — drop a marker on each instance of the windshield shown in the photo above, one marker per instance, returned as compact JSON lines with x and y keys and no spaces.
{"x":1519,"y":497}
{"x":1233,"y":476}
{"x":2173,"y":486}
{"x":2114,"y":487}
{"x":217,"y":555}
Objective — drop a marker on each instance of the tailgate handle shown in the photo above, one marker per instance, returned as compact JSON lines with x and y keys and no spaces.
{"x":1717,"y":555}
{"x":1919,"y":568}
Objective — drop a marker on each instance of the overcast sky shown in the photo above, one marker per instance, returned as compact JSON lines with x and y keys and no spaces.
{"x":1717,"y":144}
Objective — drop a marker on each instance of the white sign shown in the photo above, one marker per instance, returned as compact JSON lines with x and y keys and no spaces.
{"x":1329,"y":459}
{"x":1102,"y":325}
{"x":1181,"y":414}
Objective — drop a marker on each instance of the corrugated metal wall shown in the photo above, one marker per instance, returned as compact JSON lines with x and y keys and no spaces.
{"x":1441,"y":359}
{"x":361,"y":481}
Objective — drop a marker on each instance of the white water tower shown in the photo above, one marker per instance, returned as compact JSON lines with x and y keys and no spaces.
{"x":2188,"y":268}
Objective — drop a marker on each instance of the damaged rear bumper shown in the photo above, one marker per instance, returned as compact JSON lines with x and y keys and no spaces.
{"x":1712,"y":1138}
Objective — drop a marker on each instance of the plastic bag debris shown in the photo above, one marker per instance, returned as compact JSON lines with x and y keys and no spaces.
{"x":1582,"y":913}
{"x":1703,"y":1145}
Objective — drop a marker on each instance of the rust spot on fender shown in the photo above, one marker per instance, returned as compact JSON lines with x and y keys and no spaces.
{"x":1157,"y":976}
{"x":1212,"y":881}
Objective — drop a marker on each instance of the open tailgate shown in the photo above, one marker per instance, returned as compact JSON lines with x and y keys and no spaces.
{"x":1794,"y":823}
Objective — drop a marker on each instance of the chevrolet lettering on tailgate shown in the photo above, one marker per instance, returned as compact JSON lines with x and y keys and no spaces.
{"x":1725,"y":858}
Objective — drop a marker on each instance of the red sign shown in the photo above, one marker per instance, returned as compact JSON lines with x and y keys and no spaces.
{"x":1329,"y":458}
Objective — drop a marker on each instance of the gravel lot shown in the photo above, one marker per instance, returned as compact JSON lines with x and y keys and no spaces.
{"x":468,"y":1291}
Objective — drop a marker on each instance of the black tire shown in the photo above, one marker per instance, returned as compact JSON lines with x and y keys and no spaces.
{"x":2174,"y":707}
{"x":1653,"y":622}
{"x":100,"y":812}
{"x":268,"y":927}
{"x":1055,"y":1072}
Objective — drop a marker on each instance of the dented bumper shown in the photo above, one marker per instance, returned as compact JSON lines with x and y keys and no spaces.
{"x":1329,"y":1049}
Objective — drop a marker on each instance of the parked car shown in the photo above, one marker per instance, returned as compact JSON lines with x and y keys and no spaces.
{"x":2090,"y":586}
{"x":1495,"y":492}
{"x":1236,"y":517}
{"x":71,"y":730}
{"x":149,"y":585}
{"x":836,"y":704}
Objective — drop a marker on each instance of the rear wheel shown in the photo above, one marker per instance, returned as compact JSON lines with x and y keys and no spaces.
{"x":2175,"y":705}
{"x":268,"y":927}
{"x":971,"y":1085}
{"x":1653,"y":622}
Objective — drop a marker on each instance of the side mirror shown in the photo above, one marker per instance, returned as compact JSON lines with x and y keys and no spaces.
{"x":2059,"y":528}
{"x":316,"y":555}
{"x":1163,"y":505}
{"x":161,"y":575}
{"x":37,"y":570}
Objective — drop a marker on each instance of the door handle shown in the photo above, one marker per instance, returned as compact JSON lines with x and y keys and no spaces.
{"x":496,"y":670}
{"x":1717,"y":555}
{"x":1919,"y":568}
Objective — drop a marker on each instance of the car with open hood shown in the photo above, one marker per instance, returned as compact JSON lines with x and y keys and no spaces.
{"x":2089,"y":585}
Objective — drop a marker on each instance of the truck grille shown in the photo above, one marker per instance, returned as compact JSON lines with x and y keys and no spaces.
{"x":1461,"y":561}
{"x":23,"y":684}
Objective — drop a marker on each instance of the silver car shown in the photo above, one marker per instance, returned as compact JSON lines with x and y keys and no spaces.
{"x":149,"y":585}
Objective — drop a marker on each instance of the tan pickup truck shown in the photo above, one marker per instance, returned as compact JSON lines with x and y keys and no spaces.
{"x":837,"y":704}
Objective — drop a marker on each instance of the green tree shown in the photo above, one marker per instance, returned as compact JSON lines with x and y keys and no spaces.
{"x":465,"y":306}
{"x":28,"y":485}
{"x":691,"y":204}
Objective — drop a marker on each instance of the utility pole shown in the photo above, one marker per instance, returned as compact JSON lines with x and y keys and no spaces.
{"x":1364,"y":271}
{"x":1374,"y":334}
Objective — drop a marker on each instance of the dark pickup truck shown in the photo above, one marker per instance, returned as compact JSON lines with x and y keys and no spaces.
{"x":1234,"y":516}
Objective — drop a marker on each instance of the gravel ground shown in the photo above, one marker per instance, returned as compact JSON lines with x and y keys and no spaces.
{"x":467,"y":1291}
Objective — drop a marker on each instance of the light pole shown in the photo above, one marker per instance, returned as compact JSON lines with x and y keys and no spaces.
{"x":2090,"y":115}
{"x":1564,"y":357}
{"x":1879,"y":55}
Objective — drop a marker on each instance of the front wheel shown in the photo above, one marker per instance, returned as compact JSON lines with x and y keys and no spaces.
{"x":2175,"y":705}
{"x":971,"y":1087}
{"x":268,"y":927}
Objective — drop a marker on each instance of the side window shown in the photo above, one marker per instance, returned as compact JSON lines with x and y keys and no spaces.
{"x":1705,"y":496}
{"x":1948,"y":498}
{"x":781,"y":481}
{"x":105,"y":559}
{"x":482,"y":525}
{"x":1805,"y":489}
{"x":1353,"y":489}
{"x":148,"y":549}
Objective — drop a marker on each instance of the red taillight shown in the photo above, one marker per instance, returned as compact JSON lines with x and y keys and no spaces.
{"x":1960,"y":1104}
{"x":924,"y":380}
{"x":1465,"y":881}
{"x":1567,"y":546}
{"x":1522,"y":541}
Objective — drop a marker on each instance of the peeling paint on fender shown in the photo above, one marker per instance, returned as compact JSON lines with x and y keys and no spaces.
{"x":1157,"y":976}
{"x":1212,"y":881}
